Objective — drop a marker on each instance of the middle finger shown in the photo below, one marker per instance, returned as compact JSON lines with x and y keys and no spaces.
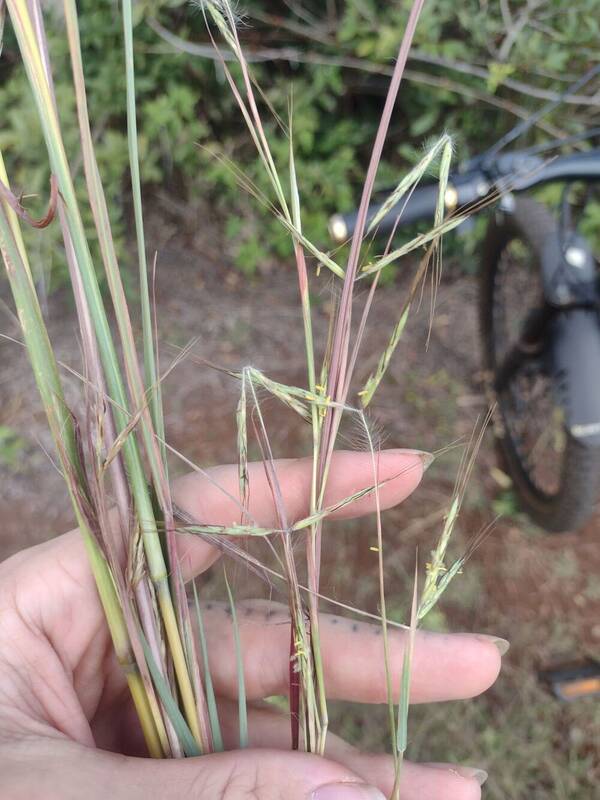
{"x":445,"y":666}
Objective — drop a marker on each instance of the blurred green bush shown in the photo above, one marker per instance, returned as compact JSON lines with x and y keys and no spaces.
{"x":476,"y":66}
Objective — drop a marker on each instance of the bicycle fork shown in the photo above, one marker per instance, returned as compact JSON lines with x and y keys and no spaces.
{"x":565,"y":334}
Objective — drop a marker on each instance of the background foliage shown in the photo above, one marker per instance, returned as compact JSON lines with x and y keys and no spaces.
{"x":476,"y":66}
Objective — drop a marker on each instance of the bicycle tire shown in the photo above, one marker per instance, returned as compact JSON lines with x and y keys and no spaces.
{"x":571,"y":505}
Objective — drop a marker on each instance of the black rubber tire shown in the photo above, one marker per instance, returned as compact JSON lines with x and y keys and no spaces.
{"x":579,"y":484}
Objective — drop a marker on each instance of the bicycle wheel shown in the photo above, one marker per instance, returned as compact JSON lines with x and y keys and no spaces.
{"x":555,"y":476}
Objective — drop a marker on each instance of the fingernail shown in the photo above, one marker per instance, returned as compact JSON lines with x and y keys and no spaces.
{"x":347,"y":791}
{"x":472,"y":773}
{"x":501,"y":644}
{"x":479,"y":775}
{"x":426,"y":458}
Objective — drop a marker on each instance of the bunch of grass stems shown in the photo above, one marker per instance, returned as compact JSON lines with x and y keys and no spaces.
{"x":114,"y":458}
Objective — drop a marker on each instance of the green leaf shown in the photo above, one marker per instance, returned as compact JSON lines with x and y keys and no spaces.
{"x":211,"y":701}
{"x":186,"y":739}
{"x":498,"y":73}
{"x":242,"y":705}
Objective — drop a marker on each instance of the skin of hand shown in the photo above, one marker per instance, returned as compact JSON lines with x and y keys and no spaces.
{"x":67,"y":726}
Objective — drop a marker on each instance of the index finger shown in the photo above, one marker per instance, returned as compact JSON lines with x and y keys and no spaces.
{"x":213,"y":498}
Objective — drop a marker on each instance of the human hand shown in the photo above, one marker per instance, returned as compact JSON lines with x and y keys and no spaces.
{"x":68,"y":728}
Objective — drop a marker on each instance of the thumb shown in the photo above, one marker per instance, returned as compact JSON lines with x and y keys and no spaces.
{"x":243,"y":775}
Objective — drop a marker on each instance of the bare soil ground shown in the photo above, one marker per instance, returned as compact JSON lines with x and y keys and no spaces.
{"x":539,"y":591}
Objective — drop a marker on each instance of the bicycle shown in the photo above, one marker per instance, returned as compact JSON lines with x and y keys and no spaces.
{"x":539,"y":319}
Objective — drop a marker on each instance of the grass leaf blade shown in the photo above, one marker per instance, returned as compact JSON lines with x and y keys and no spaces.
{"x":242,"y":705}
{"x":187,"y":740}
{"x":210,"y":691}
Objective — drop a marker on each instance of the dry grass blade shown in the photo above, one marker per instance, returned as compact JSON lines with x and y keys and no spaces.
{"x":16,"y":205}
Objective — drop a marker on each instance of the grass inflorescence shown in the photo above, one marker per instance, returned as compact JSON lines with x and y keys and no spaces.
{"x":117,"y":453}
